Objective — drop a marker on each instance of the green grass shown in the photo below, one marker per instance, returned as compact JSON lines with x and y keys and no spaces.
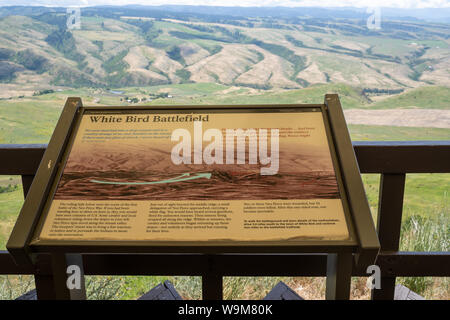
{"x":12,"y":286}
{"x":387,"y":46}
{"x":27,"y":121}
{"x":123,"y":288}
{"x":350,"y":98}
{"x":390,"y":133}
{"x":7,"y":180}
{"x":10,"y":205}
{"x":432,"y":97}
{"x":115,"y":63}
{"x":434,"y":43}
{"x":426,"y":194}
{"x":171,"y":26}
{"x":424,"y":234}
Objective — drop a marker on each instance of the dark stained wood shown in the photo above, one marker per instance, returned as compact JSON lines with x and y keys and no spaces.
{"x":20,"y":159}
{"x":403,"y":156}
{"x":414,"y":264}
{"x":372,"y":156}
{"x":43,"y":278}
{"x":44,"y":287}
{"x":400,"y":264}
{"x":212,"y":280}
{"x":357,"y":199}
{"x":390,"y":207}
{"x":8,"y":266}
{"x":27,"y":180}
{"x":271,"y":264}
{"x":339,"y":276}
{"x":77,"y":259}
{"x":59,"y":267}
{"x":212,"y":286}
{"x":60,"y":264}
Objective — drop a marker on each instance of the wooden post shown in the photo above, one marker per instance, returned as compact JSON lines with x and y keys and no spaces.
{"x":339,"y":276}
{"x":77,"y":259}
{"x":60,"y":263}
{"x":26,"y":183}
{"x":390,"y":206}
{"x":212,"y":287}
{"x":43,"y":278}
{"x":212,"y":283}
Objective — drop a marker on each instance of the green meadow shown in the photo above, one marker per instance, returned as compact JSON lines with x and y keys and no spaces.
{"x":432,"y":97}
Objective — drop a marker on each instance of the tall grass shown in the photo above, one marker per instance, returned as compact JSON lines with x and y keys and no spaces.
{"x":425,"y":234}
{"x":104,"y":288}
{"x":12,"y":287}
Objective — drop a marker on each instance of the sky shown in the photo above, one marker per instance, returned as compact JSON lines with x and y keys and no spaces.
{"x":410,"y":4}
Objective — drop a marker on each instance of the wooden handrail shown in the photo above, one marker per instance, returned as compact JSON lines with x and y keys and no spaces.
{"x":372,"y":156}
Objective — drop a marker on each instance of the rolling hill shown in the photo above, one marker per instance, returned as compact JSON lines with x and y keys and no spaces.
{"x":127,"y":46}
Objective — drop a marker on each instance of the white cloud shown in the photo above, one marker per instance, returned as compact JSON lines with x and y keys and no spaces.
{"x":247,"y":3}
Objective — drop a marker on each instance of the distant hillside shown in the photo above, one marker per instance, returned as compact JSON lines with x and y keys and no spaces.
{"x":426,"y":14}
{"x":144,"y":46}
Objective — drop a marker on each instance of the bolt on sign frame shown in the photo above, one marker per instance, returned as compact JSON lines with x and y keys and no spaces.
{"x":359,"y":247}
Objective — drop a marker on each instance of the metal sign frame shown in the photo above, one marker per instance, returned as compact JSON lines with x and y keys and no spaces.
{"x":363,"y":242}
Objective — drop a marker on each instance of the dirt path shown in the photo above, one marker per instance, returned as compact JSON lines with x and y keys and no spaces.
{"x":430,"y":118}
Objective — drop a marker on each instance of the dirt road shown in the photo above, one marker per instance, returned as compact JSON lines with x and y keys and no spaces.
{"x":430,"y":118}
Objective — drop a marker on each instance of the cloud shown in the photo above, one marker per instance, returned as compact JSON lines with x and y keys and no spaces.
{"x":245,"y":3}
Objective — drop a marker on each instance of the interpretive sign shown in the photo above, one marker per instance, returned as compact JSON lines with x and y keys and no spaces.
{"x":197,"y":179}
{"x":187,"y":188}
{"x":212,"y":174}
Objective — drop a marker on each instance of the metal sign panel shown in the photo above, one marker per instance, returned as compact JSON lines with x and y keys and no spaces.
{"x":209,"y":175}
{"x":261,"y":178}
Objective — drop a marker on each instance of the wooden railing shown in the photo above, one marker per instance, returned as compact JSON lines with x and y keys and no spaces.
{"x":393,"y":160}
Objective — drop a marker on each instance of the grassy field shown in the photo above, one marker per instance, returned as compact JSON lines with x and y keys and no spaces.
{"x":389,"y":133}
{"x":32,"y":119}
{"x":10,"y":204}
{"x":424,"y":97}
{"x":28,"y":121}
